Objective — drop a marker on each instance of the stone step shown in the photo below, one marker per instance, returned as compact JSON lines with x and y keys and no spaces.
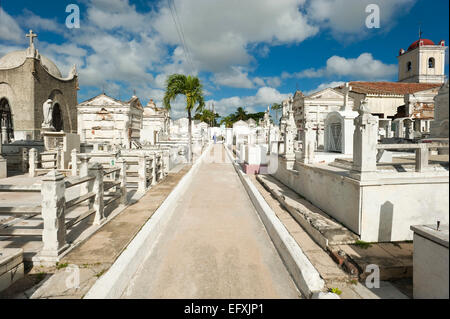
{"x":321,"y":227}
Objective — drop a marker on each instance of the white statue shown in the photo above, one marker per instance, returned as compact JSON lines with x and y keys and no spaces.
{"x":364,"y":107}
{"x":48,"y":110}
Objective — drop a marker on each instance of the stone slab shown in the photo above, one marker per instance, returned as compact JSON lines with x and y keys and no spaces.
{"x":11,"y":267}
{"x":394,"y":259}
{"x":325,"y":230}
{"x":430,"y":232}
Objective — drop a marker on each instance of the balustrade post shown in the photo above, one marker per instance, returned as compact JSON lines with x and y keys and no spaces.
{"x":422,"y":157}
{"x":154,"y":172}
{"x":53,"y":215}
{"x":74,"y":158}
{"x":24,"y":161}
{"x":32,"y":159}
{"x":123,"y":180}
{"x":142,"y":174}
{"x":96,"y":170}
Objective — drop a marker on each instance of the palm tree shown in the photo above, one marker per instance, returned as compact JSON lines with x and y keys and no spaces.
{"x":276,"y":107}
{"x":191,"y":88}
{"x":241,"y":114}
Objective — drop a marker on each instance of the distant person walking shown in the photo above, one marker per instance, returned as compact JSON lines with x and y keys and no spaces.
{"x":215,"y":138}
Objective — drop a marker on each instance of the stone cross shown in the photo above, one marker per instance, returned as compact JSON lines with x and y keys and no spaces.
{"x":31,"y":35}
{"x":346,"y":91}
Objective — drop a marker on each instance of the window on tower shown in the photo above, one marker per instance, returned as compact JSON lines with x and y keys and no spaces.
{"x":431,"y":63}
{"x":409,"y":66}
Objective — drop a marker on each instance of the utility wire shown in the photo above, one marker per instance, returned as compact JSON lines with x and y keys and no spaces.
{"x":180,"y":32}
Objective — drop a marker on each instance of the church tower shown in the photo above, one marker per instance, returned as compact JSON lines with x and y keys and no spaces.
{"x":423,"y":62}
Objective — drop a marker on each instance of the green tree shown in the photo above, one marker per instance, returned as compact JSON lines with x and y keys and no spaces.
{"x":192,"y":89}
{"x":228,"y":121}
{"x":207,"y":116}
{"x":240,"y":115}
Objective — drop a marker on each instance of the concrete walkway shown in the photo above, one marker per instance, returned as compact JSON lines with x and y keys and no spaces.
{"x":215,"y":245}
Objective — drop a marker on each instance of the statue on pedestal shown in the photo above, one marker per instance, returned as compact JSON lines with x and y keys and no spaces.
{"x":47,"y":109}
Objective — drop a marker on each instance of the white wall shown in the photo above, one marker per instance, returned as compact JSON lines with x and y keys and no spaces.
{"x":381,"y":210}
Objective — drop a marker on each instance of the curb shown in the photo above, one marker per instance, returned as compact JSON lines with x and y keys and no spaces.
{"x":305,"y":276}
{"x":114,"y":282}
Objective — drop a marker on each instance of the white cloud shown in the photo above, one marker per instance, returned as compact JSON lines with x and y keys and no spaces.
{"x":38,"y":23}
{"x":347,"y":17}
{"x":238,"y":77}
{"x":324,"y":86}
{"x":10,"y":29}
{"x":224,"y":34}
{"x":364,"y":67}
{"x":264,"y":96}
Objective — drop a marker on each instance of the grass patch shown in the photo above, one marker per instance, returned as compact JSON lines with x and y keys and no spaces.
{"x":336,"y":291}
{"x":354,"y":282}
{"x":100,"y":273}
{"x":61,"y":265}
{"x":362,"y":244}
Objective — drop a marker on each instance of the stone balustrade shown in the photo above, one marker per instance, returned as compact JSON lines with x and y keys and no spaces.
{"x":98,"y":189}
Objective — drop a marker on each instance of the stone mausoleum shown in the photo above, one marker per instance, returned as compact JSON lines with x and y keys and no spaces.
{"x":28,"y":80}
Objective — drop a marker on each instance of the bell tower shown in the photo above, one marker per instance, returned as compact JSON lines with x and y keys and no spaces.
{"x":423,"y":62}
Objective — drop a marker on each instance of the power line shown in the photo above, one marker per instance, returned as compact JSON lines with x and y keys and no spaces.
{"x":180,"y":32}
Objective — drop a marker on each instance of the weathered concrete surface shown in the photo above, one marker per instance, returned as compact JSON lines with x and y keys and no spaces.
{"x":333,"y":275}
{"x":96,"y":254}
{"x":216,"y":247}
{"x":324,"y":229}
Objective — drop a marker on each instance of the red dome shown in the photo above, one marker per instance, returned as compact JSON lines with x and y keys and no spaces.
{"x":416,"y":44}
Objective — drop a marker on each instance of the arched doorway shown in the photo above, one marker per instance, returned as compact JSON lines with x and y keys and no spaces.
{"x":6,"y":119}
{"x":57,"y":118}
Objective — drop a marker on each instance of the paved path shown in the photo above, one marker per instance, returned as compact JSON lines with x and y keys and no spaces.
{"x":215,"y":246}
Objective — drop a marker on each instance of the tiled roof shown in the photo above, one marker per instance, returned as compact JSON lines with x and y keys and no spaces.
{"x":390,"y":88}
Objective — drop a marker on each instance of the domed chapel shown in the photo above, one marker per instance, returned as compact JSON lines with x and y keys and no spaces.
{"x":28,"y":80}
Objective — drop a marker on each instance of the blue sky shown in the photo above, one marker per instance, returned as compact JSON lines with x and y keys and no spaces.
{"x":248,"y":53}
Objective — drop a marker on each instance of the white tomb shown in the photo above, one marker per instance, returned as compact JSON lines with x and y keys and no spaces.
{"x":340,"y":127}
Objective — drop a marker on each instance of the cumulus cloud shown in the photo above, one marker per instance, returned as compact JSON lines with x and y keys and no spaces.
{"x":347,"y":17}
{"x":10,"y":29}
{"x":123,"y":48}
{"x":227,"y":29}
{"x":38,"y":23}
{"x":238,"y":77}
{"x":364,"y":67}
{"x":324,"y":86}
{"x":264,"y":96}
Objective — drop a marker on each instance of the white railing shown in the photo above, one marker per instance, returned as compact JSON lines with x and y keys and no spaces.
{"x":95,"y":195}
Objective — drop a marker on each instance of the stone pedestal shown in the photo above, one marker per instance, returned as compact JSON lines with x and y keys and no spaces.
{"x":308,"y":143}
{"x":3,"y":167}
{"x":365,"y":142}
{"x":53,"y":214}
